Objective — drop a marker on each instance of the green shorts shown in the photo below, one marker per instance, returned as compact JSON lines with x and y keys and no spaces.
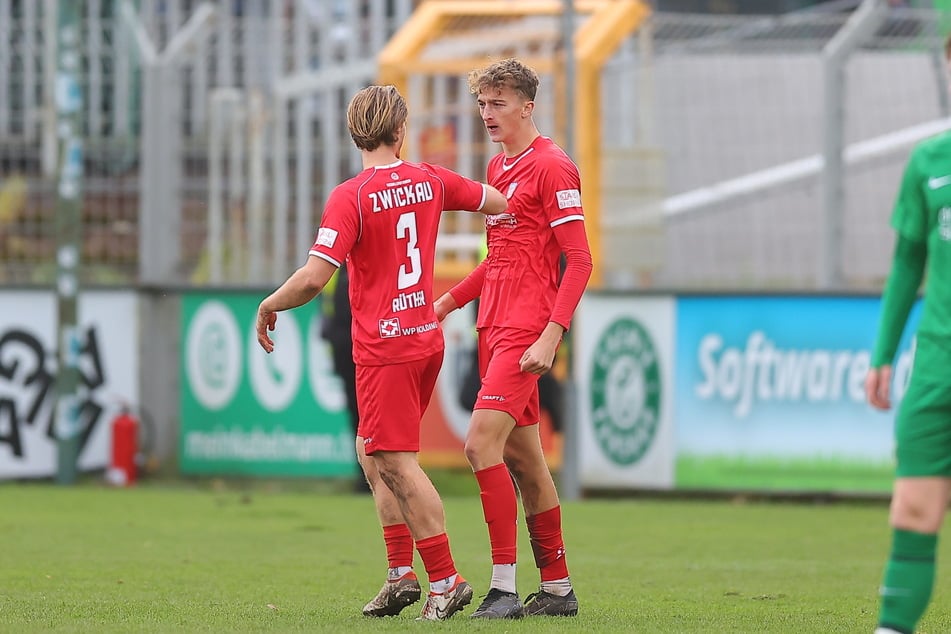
{"x":923,"y":430}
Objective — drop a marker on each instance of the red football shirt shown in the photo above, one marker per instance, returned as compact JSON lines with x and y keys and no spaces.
{"x":386,"y":218}
{"x":543,"y":188}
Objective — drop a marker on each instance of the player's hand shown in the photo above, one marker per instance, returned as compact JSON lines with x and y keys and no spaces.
{"x":444,"y":305}
{"x":877,"y":385}
{"x":265,"y":321}
{"x":539,"y":357}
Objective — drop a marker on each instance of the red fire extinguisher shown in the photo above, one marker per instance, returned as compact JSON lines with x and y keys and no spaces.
{"x":125,"y":448}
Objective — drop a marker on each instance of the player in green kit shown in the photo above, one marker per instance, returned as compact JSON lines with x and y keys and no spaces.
{"x":922,"y":221}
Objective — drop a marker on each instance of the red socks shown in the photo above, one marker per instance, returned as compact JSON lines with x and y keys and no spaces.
{"x":548,"y":545}
{"x":437,"y":559}
{"x":399,"y":545}
{"x":500,"y":507}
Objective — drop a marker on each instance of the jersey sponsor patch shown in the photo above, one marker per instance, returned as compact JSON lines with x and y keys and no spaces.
{"x":389,"y":328}
{"x":326,"y":237}
{"x":568,"y":198}
{"x":501,"y":219}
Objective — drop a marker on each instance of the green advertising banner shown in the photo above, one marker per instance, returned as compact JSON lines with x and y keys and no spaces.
{"x":246,"y":412}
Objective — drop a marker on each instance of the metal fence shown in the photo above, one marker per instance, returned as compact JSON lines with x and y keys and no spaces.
{"x":150,"y":73}
{"x":211,"y":146}
{"x":736,"y":118}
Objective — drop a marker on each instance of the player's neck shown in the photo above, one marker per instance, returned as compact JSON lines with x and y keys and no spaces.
{"x":520,"y":142}
{"x":383,"y":155}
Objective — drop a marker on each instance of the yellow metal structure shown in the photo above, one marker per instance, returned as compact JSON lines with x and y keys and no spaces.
{"x":452,"y":37}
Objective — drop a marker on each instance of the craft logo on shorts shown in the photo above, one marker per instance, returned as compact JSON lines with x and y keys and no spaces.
{"x":625,"y":391}
{"x":390,"y":328}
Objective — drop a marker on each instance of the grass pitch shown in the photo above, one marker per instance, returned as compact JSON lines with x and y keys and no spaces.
{"x":277,"y":559}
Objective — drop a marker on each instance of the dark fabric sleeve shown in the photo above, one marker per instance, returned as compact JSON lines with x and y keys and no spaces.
{"x":899,"y":296}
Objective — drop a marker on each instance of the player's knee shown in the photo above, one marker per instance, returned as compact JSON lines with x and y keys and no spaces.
{"x":389,"y":469}
{"x":484,"y":445}
{"x":370,"y":471}
{"x":913,"y":513}
{"x":474,"y":450}
{"x":516,"y":463}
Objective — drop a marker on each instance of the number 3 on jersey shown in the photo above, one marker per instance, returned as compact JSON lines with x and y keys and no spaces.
{"x":406,"y":228}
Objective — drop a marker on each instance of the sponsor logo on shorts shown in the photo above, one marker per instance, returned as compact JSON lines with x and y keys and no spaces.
{"x":493,"y":397}
{"x":625,"y":391}
{"x":568,"y":198}
{"x":390,"y":328}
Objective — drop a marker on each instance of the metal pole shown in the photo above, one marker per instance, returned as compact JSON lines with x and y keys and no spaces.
{"x":257,"y":188}
{"x":69,"y":103}
{"x":160,"y":195}
{"x":49,"y":158}
{"x":216,"y":142}
{"x":861,"y":25}
{"x":570,"y":481}
{"x":281,"y":197}
{"x":568,"y":46}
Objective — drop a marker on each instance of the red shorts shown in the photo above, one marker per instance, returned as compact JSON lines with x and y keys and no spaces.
{"x":391,"y":400}
{"x":505,"y":387}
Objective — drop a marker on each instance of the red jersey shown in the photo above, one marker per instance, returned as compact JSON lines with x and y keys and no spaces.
{"x":543,"y":188}
{"x":386,"y":218}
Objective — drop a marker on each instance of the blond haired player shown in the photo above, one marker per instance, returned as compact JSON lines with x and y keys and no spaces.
{"x":385,"y":220}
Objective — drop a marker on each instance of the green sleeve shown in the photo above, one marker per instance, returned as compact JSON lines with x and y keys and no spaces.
{"x":910,"y":214}
{"x":900,"y":293}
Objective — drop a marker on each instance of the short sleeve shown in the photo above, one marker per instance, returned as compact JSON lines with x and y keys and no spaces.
{"x":910,"y":215}
{"x":339,"y":227}
{"x":462,"y":193}
{"x":561,"y":193}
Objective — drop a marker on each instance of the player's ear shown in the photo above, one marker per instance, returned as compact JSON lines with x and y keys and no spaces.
{"x":527,"y":108}
{"x":400,"y":137}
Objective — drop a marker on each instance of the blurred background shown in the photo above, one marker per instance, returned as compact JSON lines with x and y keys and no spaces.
{"x":163,"y":165}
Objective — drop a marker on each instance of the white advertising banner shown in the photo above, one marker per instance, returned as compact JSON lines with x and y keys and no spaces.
{"x":623,"y":367}
{"x":108,"y":362}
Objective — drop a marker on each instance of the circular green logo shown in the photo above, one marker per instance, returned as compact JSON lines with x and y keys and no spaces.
{"x":625,"y":391}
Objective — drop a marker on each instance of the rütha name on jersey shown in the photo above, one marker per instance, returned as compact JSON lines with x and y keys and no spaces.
{"x":401,"y":195}
{"x":408,"y":300}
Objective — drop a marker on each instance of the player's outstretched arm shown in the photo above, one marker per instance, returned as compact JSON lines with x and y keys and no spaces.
{"x":462,"y":293}
{"x":495,"y":202}
{"x":301,"y":287}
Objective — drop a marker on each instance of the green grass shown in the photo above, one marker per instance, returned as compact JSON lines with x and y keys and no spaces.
{"x":699,"y":472}
{"x":202,"y":558}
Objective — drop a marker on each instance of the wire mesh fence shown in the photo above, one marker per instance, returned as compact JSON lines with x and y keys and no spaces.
{"x":250,"y":46}
{"x":739,"y":119}
{"x":712,"y":128}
